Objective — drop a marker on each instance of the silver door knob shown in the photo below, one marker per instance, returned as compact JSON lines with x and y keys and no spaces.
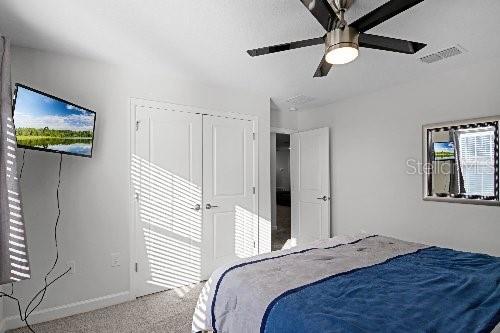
{"x":197,"y":207}
{"x":324,"y":198}
{"x":209,"y":206}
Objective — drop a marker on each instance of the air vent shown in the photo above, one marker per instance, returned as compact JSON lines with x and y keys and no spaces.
{"x":299,"y":100}
{"x":444,"y":54}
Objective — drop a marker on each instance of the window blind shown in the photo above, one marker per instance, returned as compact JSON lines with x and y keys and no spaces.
{"x":477,"y":160}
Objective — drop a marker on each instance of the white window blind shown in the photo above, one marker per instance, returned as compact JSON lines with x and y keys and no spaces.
{"x":477,"y":160}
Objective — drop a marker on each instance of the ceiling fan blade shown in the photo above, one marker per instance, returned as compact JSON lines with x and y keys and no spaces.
{"x":323,"y":68}
{"x":286,"y":46}
{"x":323,"y":12}
{"x":383,"y":13}
{"x":389,"y":44}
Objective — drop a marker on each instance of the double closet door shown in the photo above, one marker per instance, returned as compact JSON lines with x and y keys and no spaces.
{"x":194,"y":181}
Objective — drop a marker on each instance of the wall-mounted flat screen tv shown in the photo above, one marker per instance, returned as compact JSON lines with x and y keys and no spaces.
{"x":444,"y":151}
{"x":44,"y":122}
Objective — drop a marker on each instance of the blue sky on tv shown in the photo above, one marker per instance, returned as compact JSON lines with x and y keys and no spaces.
{"x":38,"y":111}
{"x":444,"y":147}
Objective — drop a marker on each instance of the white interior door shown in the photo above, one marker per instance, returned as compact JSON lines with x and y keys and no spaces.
{"x":229,"y":201}
{"x":167,"y":179}
{"x":310,"y":185}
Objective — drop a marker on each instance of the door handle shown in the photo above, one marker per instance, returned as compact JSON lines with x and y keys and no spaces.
{"x":209,"y":206}
{"x":197,"y":207}
{"x":324,"y":198}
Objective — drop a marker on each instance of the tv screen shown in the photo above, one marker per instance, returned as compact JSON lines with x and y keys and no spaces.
{"x":444,"y":151}
{"x":45,"y":122}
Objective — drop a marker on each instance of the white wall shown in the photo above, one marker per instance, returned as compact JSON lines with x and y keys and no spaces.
{"x":373,"y":136}
{"x":284,"y":119}
{"x":95,"y":192}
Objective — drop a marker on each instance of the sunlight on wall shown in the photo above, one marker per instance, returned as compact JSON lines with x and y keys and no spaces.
{"x":171,"y":228}
{"x":18,"y":256}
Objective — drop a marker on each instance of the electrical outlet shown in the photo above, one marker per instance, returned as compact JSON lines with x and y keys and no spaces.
{"x":72,"y":265}
{"x":115,"y":259}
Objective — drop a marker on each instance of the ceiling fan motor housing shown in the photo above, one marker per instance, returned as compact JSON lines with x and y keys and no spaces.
{"x":347,"y":37}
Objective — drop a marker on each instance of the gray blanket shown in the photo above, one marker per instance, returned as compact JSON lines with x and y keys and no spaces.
{"x":236,"y":296}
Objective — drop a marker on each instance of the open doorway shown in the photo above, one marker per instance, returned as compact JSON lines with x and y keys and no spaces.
{"x":281,"y":231}
{"x":300,"y":187}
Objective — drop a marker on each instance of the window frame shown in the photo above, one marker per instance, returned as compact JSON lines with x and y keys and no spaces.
{"x":427,"y":159}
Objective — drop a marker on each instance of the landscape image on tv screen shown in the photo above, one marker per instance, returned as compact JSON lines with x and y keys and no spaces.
{"x":444,"y":151}
{"x":48,"y":123}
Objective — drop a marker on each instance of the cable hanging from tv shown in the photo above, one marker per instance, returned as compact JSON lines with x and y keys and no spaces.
{"x":39,"y":297}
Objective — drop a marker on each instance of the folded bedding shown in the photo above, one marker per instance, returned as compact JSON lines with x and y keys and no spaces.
{"x":354,"y":284}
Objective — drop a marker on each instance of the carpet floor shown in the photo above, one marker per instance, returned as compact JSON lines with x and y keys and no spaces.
{"x":166,"y":312}
{"x":280,"y":235}
{"x":170,"y":311}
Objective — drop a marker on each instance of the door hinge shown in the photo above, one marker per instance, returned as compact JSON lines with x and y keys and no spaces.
{"x":136,"y":267}
{"x":136,"y":196}
{"x":253,"y":190}
{"x":137,"y":125}
{"x":253,"y":136}
{"x":254,"y":244}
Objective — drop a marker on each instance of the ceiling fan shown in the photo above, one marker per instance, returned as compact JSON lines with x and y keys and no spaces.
{"x":342,"y":41}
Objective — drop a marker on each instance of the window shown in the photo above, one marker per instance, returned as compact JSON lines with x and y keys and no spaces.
{"x":477,"y":160}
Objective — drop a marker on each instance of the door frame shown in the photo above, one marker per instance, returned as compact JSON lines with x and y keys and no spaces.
{"x":172,"y":107}
{"x":281,"y":130}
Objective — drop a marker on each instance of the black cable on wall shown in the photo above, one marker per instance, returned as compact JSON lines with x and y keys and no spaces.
{"x":40,"y":295}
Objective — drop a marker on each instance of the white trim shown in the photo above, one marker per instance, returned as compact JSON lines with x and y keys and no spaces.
{"x":256,"y":163}
{"x":283,"y":130}
{"x":137,"y":102}
{"x":140,"y":102}
{"x":66,"y":310}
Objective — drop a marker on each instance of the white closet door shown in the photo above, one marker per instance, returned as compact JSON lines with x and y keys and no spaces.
{"x":230,"y":217}
{"x":310,"y":185}
{"x":167,"y":178}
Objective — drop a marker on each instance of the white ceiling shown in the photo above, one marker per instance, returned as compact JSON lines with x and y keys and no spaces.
{"x":206,"y":40}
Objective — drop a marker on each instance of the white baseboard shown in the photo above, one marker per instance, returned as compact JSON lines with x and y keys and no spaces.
{"x":44,"y":315}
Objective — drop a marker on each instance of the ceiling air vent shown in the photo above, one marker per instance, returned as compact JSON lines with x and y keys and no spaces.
{"x":299,"y":100}
{"x":444,"y":54}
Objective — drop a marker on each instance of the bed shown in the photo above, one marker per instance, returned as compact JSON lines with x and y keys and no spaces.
{"x":353,"y":284}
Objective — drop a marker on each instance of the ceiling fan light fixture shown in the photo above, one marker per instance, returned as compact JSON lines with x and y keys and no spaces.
{"x":342,"y":53}
{"x":341,"y":46}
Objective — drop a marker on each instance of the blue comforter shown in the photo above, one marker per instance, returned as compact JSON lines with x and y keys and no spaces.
{"x":430,"y":290}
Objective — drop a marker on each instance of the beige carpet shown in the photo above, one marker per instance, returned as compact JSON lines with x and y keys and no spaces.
{"x":166,"y":312}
